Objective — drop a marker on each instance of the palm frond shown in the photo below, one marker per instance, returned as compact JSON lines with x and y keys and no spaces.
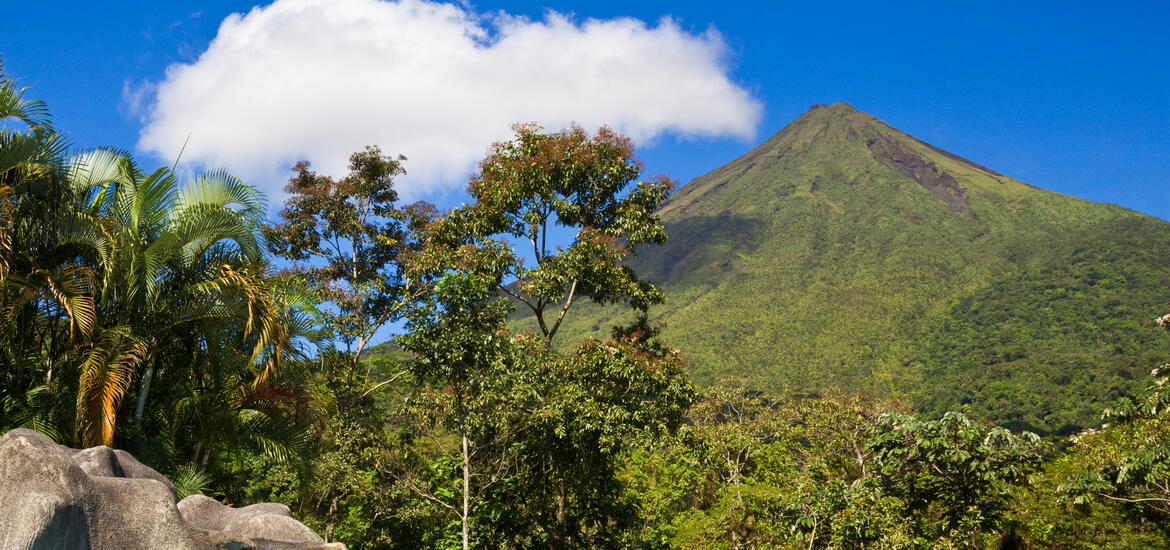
{"x":279,"y":437}
{"x":7,"y":207}
{"x":92,"y":173}
{"x":106,"y":374}
{"x":202,"y":226}
{"x":152,"y":201}
{"x":29,"y":149}
{"x":219,"y":188}
{"x":31,"y":412}
{"x":154,"y":259}
{"x":33,"y":113}
{"x":189,"y":480}
{"x":91,"y":231}
{"x":72,"y":288}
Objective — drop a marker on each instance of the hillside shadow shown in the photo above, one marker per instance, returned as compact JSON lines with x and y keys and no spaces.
{"x":699,"y":243}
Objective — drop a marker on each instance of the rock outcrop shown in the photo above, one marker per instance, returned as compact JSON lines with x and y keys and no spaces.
{"x":56,"y":498}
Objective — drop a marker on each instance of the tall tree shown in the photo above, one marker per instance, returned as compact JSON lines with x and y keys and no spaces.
{"x":465,"y":360}
{"x":538,"y":181}
{"x":954,"y":475}
{"x":542,"y":424}
{"x":348,"y":236}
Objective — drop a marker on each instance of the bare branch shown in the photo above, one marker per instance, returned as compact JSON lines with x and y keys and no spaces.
{"x":564,"y":310}
{"x":518,"y":298}
{"x":1122,"y":499}
{"x":409,"y":483}
{"x":380,"y":384}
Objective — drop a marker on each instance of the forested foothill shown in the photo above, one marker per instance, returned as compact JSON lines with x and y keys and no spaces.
{"x":233,"y":350}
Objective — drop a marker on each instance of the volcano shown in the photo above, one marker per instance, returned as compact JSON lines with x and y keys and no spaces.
{"x":845,"y":253}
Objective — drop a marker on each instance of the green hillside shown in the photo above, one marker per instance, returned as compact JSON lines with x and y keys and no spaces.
{"x":844,"y":252}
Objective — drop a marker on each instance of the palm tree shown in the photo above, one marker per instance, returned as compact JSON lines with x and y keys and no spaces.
{"x":154,"y":244}
{"x":114,"y":281}
{"x":267,"y":406}
{"x":46,"y":298}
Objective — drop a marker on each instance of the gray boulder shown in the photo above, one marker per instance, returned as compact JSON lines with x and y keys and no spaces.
{"x":269,"y":521}
{"x":103,"y":461}
{"x":56,"y":498}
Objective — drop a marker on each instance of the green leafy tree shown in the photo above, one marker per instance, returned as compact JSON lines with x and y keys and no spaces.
{"x":1108,"y":488}
{"x":1047,"y":514}
{"x":538,"y":181}
{"x":536,"y":431}
{"x":525,"y":188}
{"x":1130,"y":456}
{"x":458,"y":334}
{"x":348,"y":236}
{"x":954,"y":475}
{"x":591,"y":406}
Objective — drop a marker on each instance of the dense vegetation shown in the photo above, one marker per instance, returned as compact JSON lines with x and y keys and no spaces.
{"x":1049,"y":349}
{"x":144,"y":312}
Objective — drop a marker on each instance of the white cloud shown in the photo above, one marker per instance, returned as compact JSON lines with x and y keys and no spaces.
{"x":319,"y":79}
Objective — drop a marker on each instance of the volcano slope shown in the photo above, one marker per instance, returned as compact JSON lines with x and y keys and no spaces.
{"x":842,"y":252}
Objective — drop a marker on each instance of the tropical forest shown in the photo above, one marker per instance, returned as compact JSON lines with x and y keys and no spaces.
{"x":844,"y":338}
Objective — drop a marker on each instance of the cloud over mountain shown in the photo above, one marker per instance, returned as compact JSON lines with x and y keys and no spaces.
{"x":319,"y":79}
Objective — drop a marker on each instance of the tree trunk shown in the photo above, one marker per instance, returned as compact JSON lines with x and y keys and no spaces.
{"x":142,"y":391}
{"x":466,"y":495}
{"x":559,"y":532}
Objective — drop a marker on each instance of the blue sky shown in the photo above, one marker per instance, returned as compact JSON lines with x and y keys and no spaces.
{"x":1074,"y":98}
